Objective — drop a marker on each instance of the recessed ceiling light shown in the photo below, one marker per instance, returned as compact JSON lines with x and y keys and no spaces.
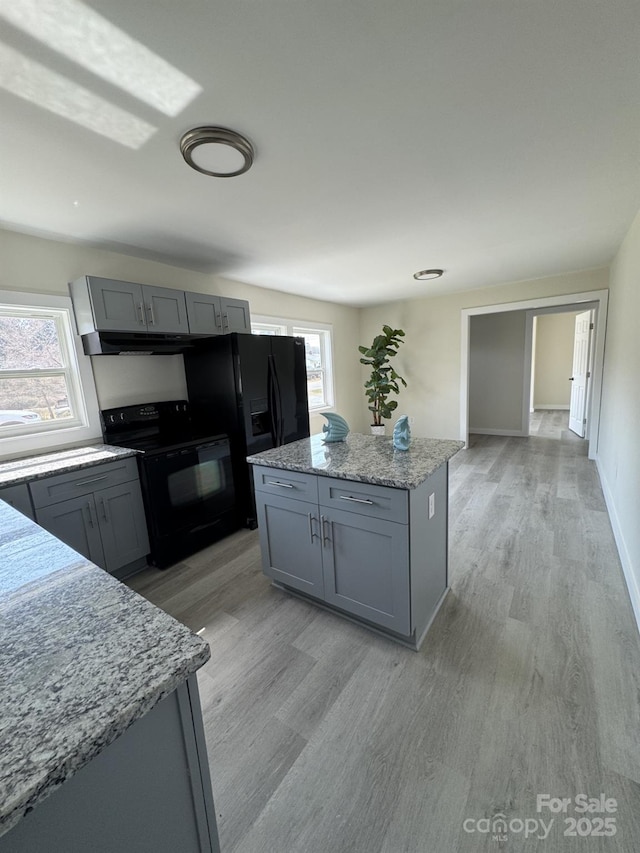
{"x":217,"y":151}
{"x":425,"y":275}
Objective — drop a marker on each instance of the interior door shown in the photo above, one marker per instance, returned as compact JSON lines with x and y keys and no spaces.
{"x":580,"y":374}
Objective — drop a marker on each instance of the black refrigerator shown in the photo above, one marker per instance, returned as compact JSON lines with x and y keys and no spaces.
{"x":254,"y":389}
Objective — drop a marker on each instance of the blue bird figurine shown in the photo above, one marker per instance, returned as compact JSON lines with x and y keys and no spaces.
{"x":336,"y":430}
{"x":402,"y":433}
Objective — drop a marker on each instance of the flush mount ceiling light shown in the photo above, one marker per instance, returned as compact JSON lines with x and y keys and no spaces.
{"x":217,"y":151}
{"x":425,"y":275}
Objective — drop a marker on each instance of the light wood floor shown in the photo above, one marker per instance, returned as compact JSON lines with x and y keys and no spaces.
{"x":324,"y":737}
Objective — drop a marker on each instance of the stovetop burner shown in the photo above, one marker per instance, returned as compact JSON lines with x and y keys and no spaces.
{"x":153,"y":427}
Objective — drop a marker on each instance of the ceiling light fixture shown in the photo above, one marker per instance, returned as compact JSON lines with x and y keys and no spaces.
{"x":217,"y":151}
{"x":425,"y":275}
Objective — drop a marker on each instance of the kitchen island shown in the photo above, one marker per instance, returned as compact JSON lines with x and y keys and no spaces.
{"x":359,"y":528}
{"x":101,"y":739}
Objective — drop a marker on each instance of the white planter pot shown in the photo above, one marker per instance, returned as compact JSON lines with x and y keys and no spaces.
{"x":377,"y":430}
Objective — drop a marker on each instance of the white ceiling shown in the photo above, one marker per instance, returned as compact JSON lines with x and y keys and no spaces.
{"x":498,"y":139}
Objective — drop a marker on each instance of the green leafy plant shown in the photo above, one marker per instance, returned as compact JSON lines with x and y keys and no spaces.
{"x":384,"y":379}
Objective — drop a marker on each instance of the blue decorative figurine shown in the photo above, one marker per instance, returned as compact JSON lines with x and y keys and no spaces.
{"x":402,"y":433}
{"x":337,"y":430}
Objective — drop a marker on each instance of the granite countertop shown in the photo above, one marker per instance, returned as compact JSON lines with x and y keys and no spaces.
{"x":363,"y":458}
{"x":16,"y":471}
{"x":82,"y":657}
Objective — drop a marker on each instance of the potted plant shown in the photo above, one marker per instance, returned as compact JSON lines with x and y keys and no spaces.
{"x":384,"y":379}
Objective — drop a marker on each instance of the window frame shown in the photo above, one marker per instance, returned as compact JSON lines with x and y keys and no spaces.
{"x":295,"y":328}
{"x":85,"y":426}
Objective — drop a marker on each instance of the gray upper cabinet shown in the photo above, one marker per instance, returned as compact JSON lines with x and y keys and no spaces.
{"x":107,"y":305}
{"x":217,"y":315}
{"x":166,"y":310}
{"x":235,"y":315}
{"x":203,"y":311}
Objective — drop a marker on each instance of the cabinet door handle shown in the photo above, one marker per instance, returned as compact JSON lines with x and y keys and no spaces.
{"x":92,"y":480}
{"x":89,"y":516}
{"x":103,"y":507}
{"x":356,"y":500}
{"x":225,"y":322}
{"x":312,"y":532}
{"x":141,"y":312}
{"x":152,"y":319}
{"x":326,"y":525}
{"x":218,"y":321}
{"x":283,"y":485}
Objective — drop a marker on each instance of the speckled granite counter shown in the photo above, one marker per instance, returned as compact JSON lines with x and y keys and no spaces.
{"x":16,"y":471}
{"x":363,"y":458}
{"x":82,"y":657}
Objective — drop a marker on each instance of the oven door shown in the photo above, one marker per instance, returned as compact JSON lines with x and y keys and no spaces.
{"x":188,"y":490}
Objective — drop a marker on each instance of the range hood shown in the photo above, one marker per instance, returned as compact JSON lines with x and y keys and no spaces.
{"x":133,"y":343}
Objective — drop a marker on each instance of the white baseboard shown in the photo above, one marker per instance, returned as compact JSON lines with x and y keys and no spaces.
{"x":539,"y":406}
{"x":483,"y":431}
{"x":630,"y":575}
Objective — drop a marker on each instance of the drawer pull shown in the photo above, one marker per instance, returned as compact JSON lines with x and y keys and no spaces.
{"x":284,"y":485}
{"x":92,"y":480}
{"x":356,"y":500}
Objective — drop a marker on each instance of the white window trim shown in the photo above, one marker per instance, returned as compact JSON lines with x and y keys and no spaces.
{"x":86,"y":428}
{"x":288,"y":325}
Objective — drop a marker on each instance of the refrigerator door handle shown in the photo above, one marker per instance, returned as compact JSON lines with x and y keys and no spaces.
{"x":278,"y":398}
{"x":271,"y":396}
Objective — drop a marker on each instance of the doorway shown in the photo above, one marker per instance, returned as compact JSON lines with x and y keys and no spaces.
{"x":597,"y":299}
{"x":561,"y":364}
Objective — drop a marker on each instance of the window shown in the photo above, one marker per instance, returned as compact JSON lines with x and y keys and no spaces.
{"x":40,"y":375}
{"x":317,"y":339}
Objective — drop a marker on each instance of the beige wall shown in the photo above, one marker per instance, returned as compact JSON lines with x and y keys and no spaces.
{"x":430,"y":358}
{"x":496,"y":372}
{"x":619,"y":445}
{"x":553,"y":360}
{"x":46,"y":266}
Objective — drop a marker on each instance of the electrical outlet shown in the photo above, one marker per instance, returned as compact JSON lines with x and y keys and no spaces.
{"x":432,"y":504}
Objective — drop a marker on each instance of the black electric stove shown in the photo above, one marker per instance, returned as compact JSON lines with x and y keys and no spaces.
{"x":185,"y":474}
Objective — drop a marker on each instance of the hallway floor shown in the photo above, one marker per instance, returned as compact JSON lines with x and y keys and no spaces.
{"x":322,"y":736}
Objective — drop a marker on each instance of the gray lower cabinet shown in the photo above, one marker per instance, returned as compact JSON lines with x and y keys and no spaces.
{"x":368,"y":551}
{"x":75,"y":522}
{"x":366,"y":568}
{"x":290,"y":541}
{"x":147,"y":792}
{"x":19,"y":498}
{"x":98,"y":512}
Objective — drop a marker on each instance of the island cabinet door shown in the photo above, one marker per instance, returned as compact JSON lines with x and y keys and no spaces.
{"x":366,"y":568}
{"x":290,"y":542}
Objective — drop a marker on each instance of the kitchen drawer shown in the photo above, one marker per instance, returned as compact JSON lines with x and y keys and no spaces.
{"x":364,"y":499}
{"x":71,"y":484}
{"x":291,"y":484}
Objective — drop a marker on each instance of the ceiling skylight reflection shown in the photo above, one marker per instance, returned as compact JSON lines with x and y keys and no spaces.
{"x":33,"y":82}
{"x":82,"y":35}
